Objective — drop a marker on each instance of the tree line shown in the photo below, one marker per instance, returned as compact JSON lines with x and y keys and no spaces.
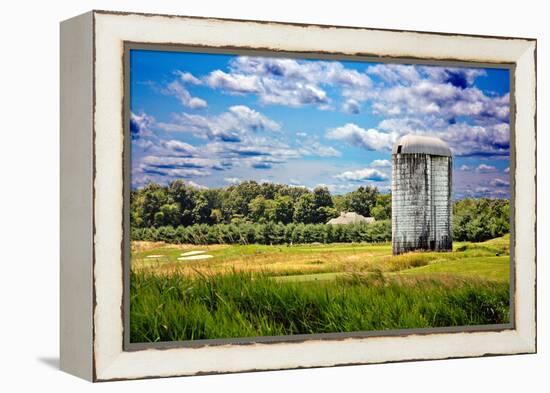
{"x":179,"y":204}
{"x":267,"y":233}
{"x":269,"y":213}
{"x":479,"y":219}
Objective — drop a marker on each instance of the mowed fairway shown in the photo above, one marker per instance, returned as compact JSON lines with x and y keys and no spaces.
{"x":257,"y":290}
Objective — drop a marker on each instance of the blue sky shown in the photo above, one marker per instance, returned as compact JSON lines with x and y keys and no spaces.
{"x":215,"y":120}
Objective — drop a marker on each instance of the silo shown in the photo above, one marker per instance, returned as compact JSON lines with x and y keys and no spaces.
{"x":421,"y":194}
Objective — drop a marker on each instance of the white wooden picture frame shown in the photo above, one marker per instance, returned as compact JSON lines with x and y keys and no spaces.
{"x":92,"y":196}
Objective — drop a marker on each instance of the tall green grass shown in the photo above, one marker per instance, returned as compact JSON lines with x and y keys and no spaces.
{"x":176,"y":307}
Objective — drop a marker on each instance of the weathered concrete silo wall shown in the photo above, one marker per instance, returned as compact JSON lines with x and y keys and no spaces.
{"x":421,"y":200}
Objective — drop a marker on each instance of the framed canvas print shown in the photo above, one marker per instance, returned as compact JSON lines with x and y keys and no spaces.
{"x":246,"y":195}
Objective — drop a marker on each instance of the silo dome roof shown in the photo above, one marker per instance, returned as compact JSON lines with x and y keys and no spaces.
{"x":411,"y":144}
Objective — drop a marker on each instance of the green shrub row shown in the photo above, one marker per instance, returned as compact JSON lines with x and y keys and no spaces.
{"x":267,"y":233}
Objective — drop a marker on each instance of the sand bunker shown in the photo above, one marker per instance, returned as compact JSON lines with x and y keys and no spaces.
{"x":154,"y":256}
{"x":192,"y":257}
{"x":189,"y":253}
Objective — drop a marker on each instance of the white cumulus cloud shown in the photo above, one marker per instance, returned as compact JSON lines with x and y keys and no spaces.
{"x":289,"y":82}
{"x":179,"y":147}
{"x":187,"y":77}
{"x":228,"y":126}
{"x":233,"y":180}
{"x":484,"y":168}
{"x":351,"y":106}
{"x":380,"y":164}
{"x":179,"y":91}
{"x":500,"y":183}
{"x":367,"y":139}
{"x":362,"y":175}
{"x":196,"y":185}
{"x":140,"y":125}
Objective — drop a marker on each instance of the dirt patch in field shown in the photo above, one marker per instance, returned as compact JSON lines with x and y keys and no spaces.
{"x":195,"y":257}
{"x":190,"y":253}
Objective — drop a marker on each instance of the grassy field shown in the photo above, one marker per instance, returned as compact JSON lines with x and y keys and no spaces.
{"x":258,"y":290}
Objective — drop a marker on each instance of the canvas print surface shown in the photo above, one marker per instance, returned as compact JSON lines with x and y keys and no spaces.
{"x":281,"y":196}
